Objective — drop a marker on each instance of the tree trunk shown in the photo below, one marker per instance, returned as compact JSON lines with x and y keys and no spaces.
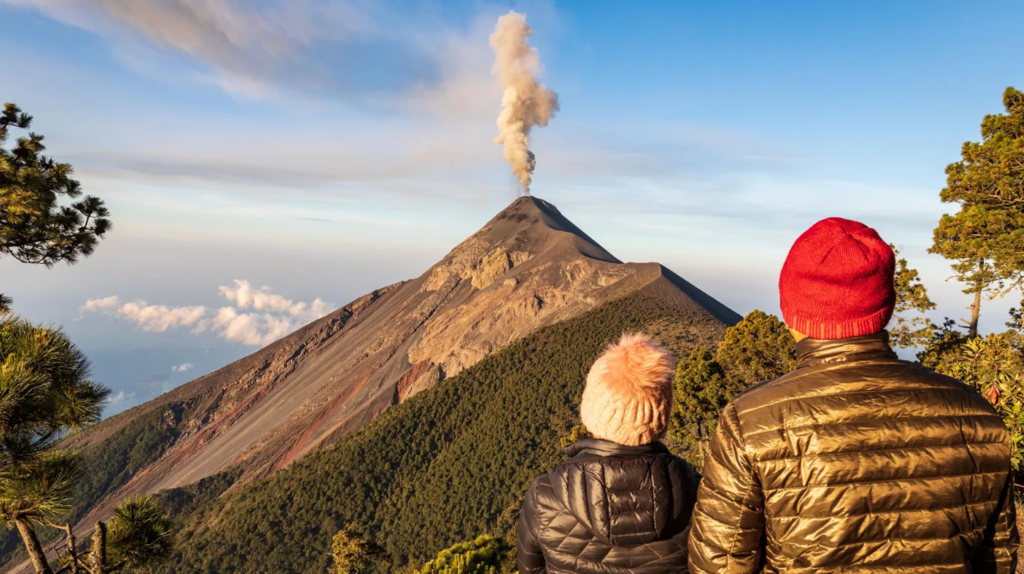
{"x":705,"y":451}
{"x":35,"y":550}
{"x":99,"y":549}
{"x":72,"y":551}
{"x":972,"y":331}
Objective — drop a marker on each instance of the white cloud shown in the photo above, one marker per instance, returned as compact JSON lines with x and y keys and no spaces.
{"x":275,"y":315}
{"x":100,"y":304}
{"x":244,"y":297}
{"x":159,"y":318}
{"x":251,"y":328}
{"x":181,"y":368}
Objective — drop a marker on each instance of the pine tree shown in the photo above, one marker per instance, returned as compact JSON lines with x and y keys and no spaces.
{"x":351,"y":551}
{"x":985,"y":239}
{"x":34,"y":226}
{"x":758,"y":348}
{"x":701,"y":392}
{"x":911,"y":298}
{"x":45,"y":393}
{"x":138,"y":536}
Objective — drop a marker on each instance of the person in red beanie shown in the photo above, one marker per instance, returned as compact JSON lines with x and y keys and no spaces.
{"x":856,"y":461}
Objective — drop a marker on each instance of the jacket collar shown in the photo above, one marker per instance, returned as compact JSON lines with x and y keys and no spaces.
{"x":601,"y":447}
{"x":810,"y":352}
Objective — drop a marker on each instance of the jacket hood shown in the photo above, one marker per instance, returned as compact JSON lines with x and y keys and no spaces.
{"x":624,"y":495}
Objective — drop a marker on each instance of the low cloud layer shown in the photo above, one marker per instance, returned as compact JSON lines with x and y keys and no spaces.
{"x":256,"y":317}
{"x":181,"y":368}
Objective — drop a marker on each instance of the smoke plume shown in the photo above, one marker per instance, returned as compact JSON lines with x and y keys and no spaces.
{"x":525,"y":102}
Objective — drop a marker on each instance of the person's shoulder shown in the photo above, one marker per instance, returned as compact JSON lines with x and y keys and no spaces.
{"x":541,"y":483}
{"x":541,"y":492}
{"x":759,"y":393}
{"x":808,"y":382}
{"x":542,"y":503}
{"x":937,"y":380}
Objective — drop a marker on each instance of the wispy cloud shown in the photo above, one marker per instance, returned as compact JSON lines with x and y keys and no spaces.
{"x":119,"y":398}
{"x":272,"y":317}
{"x":181,"y":368}
{"x":264,"y":50}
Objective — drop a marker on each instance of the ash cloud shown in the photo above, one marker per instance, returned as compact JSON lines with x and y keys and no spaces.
{"x":525,"y":103}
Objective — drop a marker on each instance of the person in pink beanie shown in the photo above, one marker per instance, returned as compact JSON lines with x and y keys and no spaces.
{"x":856,"y":461}
{"x":622,"y":502}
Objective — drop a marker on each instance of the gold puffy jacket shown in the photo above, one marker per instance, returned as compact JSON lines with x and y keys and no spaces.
{"x":856,"y":462}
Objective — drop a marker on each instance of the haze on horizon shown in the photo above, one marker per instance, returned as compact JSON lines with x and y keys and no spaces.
{"x":259,"y":157}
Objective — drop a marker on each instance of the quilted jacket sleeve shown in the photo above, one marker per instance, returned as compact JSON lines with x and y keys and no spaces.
{"x":529,"y":557}
{"x":998,"y":553}
{"x":728,"y":523}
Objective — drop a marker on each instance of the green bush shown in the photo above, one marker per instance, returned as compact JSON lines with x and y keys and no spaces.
{"x":481,"y":556}
{"x":994,"y":365}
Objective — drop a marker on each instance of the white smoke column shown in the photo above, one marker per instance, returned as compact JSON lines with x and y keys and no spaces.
{"x":524,"y":102}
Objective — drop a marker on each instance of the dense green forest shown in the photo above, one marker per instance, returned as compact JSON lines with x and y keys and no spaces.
{"x":444,"y":467}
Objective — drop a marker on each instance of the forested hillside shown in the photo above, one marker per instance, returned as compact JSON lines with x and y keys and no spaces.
{"x":443,"y":467}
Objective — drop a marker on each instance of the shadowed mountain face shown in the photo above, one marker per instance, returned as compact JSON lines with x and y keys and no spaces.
{"x":528,"y":268}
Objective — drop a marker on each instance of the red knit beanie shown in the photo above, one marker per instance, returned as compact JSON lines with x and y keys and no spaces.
{"x":837,"y":281}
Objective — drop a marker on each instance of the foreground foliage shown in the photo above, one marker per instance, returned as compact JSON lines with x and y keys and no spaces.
{"x":758,"y":348}
{"x":45,"y":394}
{"x":446,"y":466}
{"x":105,"y":466}
{"x":137,"y":536}
{"x":994,"y":365}
{"x":481,"y":556}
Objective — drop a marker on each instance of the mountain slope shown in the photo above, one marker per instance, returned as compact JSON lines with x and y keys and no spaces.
{"x":447,"y":465}
{"x":529,"y":267}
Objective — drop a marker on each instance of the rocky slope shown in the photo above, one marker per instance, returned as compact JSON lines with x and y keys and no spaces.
{"x":529,"y":267}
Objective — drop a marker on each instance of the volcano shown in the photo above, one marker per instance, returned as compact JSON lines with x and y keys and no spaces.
{"x":528,"y":268}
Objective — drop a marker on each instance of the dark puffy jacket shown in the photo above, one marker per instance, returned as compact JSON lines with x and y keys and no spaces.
{"x":856,"y":462}
{"x":610,"y":508}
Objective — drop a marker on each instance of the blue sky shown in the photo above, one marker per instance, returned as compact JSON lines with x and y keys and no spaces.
{"x":326,"y":148}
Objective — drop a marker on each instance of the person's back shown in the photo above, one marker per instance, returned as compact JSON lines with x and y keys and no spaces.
{"x":622,"y":502}
{"x":856,"y":461}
